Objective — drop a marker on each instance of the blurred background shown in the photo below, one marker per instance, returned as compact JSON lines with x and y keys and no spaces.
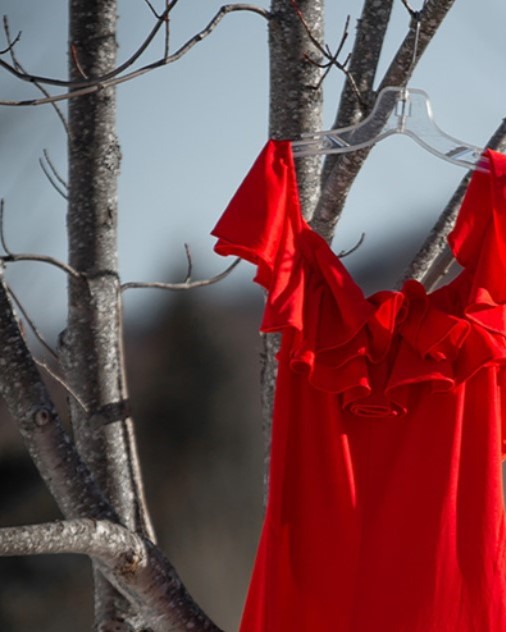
{"x":189,"y":132}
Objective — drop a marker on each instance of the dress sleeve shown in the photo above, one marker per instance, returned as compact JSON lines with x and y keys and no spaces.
{"x":310,"y":295}
{"x":263,"y":219}
{"x":478,"y":242}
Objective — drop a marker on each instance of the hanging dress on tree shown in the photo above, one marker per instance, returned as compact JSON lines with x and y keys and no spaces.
{"x":385,"y":509}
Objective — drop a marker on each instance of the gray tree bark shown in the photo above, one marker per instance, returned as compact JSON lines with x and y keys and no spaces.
{"x":341,"y":170}
{"x":91,"y":346}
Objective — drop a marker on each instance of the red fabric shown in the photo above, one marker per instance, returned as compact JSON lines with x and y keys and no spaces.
{"x":385,"y":509}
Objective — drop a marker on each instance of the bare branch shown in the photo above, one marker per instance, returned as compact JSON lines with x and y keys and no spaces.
{"x":10,"y":43}
{"x":56,"y":174}
{"x":152,"y":9}
{"x":149,"y":576}
{"x":62,"y":382}
{"x":12,"y":257}
{"x":53,"y":452}
{"x":363,"y":66}
{"x":63,"y":83}
{"x":364,"y":61}
{"x":51,"y":180}
{"x":344,"y":37}
{"x":76,"y":62}
{"x":185,"y":285}
{"x":332,"y":59}
{"x":166,"y":42}
{"x":190,"y":264}
{"x":340,"y":171}
{"x":196,"y":39}
{"x":31,"y":324}
{"x":102,"y":539}
{"x":132,"y":563}
{"x":20,"y":68}
{"x":3,"y":241}
{"x":345,"y":253}
{"x":42,"y":259}
{"x":81,"y":88}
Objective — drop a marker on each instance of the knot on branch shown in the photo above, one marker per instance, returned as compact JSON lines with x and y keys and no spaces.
{"x":130,"y":562}
{"x":42,"y":416}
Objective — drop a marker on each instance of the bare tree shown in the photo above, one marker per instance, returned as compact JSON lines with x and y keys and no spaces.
{"x":94,"y":475}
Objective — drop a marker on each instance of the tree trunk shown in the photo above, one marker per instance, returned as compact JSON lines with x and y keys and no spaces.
{"x":91,"y":346}
{"x":295,"y":108}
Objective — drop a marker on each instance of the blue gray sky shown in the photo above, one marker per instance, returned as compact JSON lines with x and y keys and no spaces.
{"x":190,"y":131}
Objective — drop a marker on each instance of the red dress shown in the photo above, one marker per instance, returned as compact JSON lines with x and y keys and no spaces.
{"x":385,"y":509}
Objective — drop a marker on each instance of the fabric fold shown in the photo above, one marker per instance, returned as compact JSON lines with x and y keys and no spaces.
{"x":478,"y":242}
{"x":388,"y":425}
{"x":338,"y":334}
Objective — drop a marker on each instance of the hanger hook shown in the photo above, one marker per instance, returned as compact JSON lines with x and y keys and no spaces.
{"x":417,"y":17}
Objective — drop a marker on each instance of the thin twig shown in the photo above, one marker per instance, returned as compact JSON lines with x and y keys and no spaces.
{"x":3,"y":240}
{"x":77,"y":64}
{"x":65,"y":83}
{"x":57,"y":175}
{"x":189,"y":44}
{"x":167,"y":31}
{"x":51,"y":180}
{"x":63,"y":383}
{"x":19,"y":67}
{"x":189,"y":269}
{"x":345,"y":253}
{"x":105,"y":79}
{"x":172,"y":4}
{"x":10,"y":44}
{"x":325,"y":51}
{"x":31,"y":324}
{"x":111,"y":79}
{"x":152,"y":8}
{"x":186,"y":285}
{"x":344,"y":37}
{"x":11,"y":258}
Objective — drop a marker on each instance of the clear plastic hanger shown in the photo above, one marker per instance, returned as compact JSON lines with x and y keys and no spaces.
{"x":398,"y":110}
{"x":405,"y":111}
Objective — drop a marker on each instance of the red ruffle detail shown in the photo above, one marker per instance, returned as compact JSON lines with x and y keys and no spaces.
{"x":372,"y":352}
{"x":405,"y":339}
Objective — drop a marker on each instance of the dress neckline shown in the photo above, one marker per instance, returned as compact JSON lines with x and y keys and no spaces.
{"x":478,"y":178}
